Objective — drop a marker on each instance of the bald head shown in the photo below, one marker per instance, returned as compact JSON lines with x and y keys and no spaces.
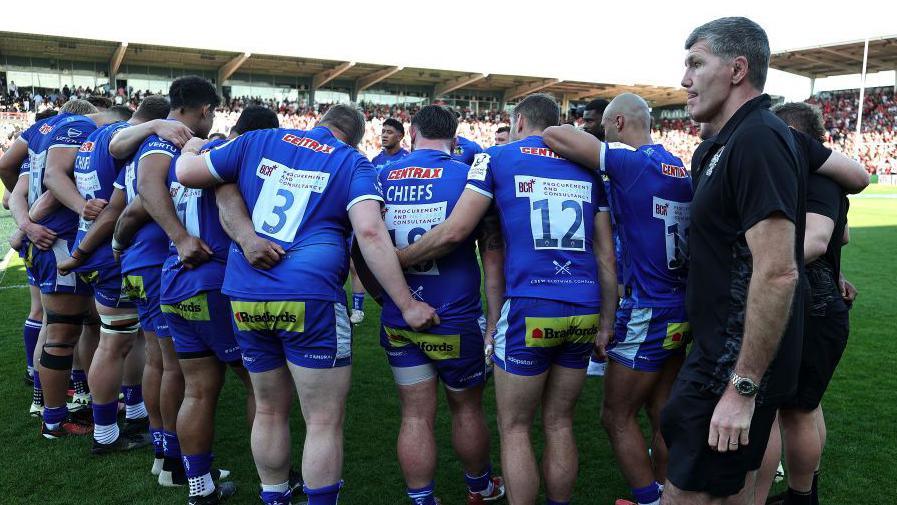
{"x":627,"y":119}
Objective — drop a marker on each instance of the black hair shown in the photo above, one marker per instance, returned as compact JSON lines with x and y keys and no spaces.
{"x":100,"y":102}
{"x":153,"y":107}
{"x":435,"y":122}
{"x":396,"y":124}
{"x":503,"y":129}
{"x":540,"y":110}
{"x":598,"y":104}
{"x":347,"y":119}
{"x":121,"y":112}
{"x":45,"y":114}
{"x":192,"y":92}
{"x":256,"y":117}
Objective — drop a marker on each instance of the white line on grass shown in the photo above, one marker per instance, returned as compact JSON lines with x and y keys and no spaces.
{"x":5,"y":263}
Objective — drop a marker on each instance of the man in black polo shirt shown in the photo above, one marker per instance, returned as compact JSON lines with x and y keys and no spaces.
{"x":746,"y":245}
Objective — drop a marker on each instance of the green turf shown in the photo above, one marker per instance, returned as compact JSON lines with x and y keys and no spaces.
{"x":860,"y":408}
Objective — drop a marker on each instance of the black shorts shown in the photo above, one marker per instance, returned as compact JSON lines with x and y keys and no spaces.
{"x":693,"y":465}
{"x":825,"y":339}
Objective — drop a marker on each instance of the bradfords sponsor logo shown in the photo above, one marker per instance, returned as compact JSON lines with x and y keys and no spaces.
{"x":286,"y":316}
{"x":673,"y":171}
{"x":86,"y":147}
{"x":436,"y":347}
{"x":307,"y":143}
{"x":525,"y":186}
{"x":554,"y":331}
{"x":540,"y":151}
{"x":45,"y":129}
{"x":678,"y":334}
{"x":414,"y":173}
{"x":195,"y":308}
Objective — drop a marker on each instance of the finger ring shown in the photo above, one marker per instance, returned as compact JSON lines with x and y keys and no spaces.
{"x":733,"y":443}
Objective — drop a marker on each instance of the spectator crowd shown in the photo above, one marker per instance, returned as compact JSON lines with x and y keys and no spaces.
{"x":877,"y":151}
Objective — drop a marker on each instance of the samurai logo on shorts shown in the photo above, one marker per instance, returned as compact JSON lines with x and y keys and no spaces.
{"x":555,"y":331}
{"x":281,"y":315}
{"x":678,"y":334}
{"x":436,"y":347}
{"x":195,"y":308}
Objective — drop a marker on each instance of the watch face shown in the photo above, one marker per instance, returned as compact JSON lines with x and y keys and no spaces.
{"x":745,"y":387}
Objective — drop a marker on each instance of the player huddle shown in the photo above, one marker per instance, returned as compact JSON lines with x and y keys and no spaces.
{"x":201,"y":256}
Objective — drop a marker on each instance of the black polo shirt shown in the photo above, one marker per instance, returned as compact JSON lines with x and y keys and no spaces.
{"x":748,"y":172}
{"x":826,"y":198}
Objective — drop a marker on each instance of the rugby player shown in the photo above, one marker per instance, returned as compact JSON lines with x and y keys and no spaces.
{"x":291,"y":320}
{"x":119,"y":359}
{"x":193,"y":101}
{"x":592,"y":117}
{"x":391,"y":137}
{"x":197,"y":315}
{"x":502,"y":135}
{"x":420,"y":191}
{"x":555,"y":222}
{"x":17,"y":154}
{"x":64,"y":297}
{"x":465,"y":150}
{"x":650,"y":194}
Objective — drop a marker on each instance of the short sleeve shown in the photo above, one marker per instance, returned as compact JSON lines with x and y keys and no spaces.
{"x":615,"y":160}
{"x":25,"y":167}
{"x":599,"y":196}
{"x":28,"y":133}
{"x":364,"y":184}
{"x":763,"y":175}
{"x":156,"y":145}
{"x":71,"y":134}
{"x":120,"y":180}
{"x":224,"y":162}
{"x":816,"y":153}
{"x":823,"y":196}
{"x":479,"y":176}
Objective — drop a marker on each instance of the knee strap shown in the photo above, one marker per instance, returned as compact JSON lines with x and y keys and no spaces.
{"x":73,"y":319}
{"x":54,"y":362}
{"x":127,"y":329}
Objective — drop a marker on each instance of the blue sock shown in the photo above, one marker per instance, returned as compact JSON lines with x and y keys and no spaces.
{"x":276,"y":497}
{"x":133,"y":394}
{"x":327,"y":495}
{"x":479,"y":483}
{"x":170,"y":445}
{"x":422,"y":496}
{"x":37,"y":395}
{"x":358,"y":301}
{"x":158,"y":442}
{"x":29,"y":334}
{"x":197,"y":465}
{"x":105,"y":414}
{"x":647,"y":494}
{"x":549,"y":501}
{"x":55,"y":415}
{"x":79,"y":380}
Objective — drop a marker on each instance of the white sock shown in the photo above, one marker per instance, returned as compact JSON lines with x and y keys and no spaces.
{"x":489,"y":489}
{"x":276,"y":488}
{"x":136,"y":411}
{"x":202,"y":485}
{"x":105,"y":434}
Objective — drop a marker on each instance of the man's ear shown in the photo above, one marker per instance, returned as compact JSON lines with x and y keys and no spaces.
{"x":739,"y":70}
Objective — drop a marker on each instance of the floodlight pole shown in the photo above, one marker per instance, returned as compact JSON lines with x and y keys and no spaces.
{"x":859,"y":136}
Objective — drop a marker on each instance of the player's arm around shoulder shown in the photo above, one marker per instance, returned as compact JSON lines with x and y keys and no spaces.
{"x":575,"y":145}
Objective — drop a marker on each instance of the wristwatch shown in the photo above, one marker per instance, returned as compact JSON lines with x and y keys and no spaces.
{"x":744,"y":386}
